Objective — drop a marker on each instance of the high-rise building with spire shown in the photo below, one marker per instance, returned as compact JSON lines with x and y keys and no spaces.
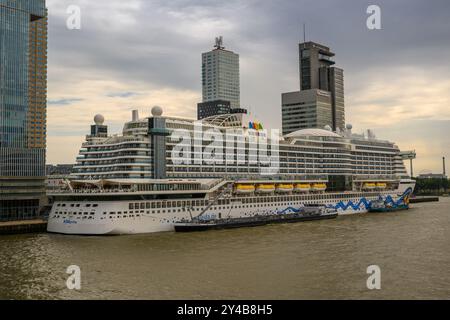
{"x":220,"y":81}
{"x":320,"y":101}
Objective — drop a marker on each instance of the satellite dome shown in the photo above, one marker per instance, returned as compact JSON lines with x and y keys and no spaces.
{"x":328,"y":128}
{"x":157,"y":111}
{"x":349,"y":126}
{"x":99,"y":119}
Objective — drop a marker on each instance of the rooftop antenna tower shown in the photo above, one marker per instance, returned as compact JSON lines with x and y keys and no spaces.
{"x":304,"y":32}
{"x":219,"y":43}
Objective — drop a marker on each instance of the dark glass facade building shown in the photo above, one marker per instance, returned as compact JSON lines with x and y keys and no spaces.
{"x":216,"y":107}
{"x":320,"y":101}
{"x":23,"y":96}
{"x":212,"y":108}
{"x":317,"y":72}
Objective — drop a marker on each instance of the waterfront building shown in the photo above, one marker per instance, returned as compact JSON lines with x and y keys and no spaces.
{"x":432,"y":176}
{"x":216,"y":107}
{"x":306,"y":109}
{"x":58,"y":169}
{"x":23,"y":101}
{"x":320,"y":100}
{"x":211,"y":108}
{"x":220,"y":79}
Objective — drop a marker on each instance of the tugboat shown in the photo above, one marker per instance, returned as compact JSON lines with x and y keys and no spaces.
{"x":306,"y":213}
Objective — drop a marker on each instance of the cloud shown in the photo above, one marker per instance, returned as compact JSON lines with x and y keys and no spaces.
{"x":397,"y":95}
{"x":122,"y":94}
{"x":63,"y":102}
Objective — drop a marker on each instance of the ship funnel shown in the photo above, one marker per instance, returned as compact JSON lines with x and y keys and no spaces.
{"x":443,"y":166}
{"x":135,"y":115}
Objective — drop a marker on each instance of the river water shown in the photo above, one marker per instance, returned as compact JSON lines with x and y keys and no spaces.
{"x":311,"y":260}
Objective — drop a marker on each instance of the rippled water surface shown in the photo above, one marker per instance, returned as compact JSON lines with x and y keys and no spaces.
{"x":311,"y":260}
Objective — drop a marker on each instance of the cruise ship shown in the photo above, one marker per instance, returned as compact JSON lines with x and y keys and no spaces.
{"x":162,"y":170}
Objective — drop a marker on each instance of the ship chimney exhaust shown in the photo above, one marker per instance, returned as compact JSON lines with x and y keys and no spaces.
{"x":135,"y":115}
{"x":443,"y":166}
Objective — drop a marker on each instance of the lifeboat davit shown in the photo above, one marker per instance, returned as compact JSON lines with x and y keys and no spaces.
{"x":285,"y":188}
{"x":265,"y":188}
{"x":302,"y":187}
{"x":245,"y":188}
{"x":319,"y":187}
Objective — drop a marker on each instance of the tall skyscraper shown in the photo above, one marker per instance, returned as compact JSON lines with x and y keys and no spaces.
{"x":308,"y":108}
{"x":23,"y":103}
{"x":220,"y":79}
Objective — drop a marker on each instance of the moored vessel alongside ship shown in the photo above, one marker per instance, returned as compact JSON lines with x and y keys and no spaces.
{"x":308,"y":213}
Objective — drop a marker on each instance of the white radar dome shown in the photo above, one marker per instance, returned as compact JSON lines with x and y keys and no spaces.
{"x":328,"y":128}
{"x":157,"y":111}
{"x":99,"y":119}
{"x":349,"y":126}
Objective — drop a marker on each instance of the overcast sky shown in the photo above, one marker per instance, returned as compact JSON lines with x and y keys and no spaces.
{"x":138,"y":53}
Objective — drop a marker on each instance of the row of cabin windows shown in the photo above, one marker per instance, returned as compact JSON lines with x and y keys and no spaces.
{"x":77,"y":205}
{"x":131,"y":213}
{"x":171,"y":204}
{"x":184,"y":203}
{"x":76,"y":213}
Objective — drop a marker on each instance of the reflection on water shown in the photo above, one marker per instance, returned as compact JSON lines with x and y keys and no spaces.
{"x":311,"y":260}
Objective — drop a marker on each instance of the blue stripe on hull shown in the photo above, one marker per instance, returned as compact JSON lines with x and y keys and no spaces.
{"x":368,"y":204}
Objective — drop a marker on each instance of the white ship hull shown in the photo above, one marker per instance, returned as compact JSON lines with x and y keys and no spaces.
{"x":116,"y":217}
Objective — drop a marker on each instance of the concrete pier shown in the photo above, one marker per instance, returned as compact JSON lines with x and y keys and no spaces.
{"x":23,"y":226}
{"x":424,"y":199}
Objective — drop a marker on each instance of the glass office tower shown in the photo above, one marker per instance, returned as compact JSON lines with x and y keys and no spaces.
{"x":220,"y":75}
{"x":23,"y":96}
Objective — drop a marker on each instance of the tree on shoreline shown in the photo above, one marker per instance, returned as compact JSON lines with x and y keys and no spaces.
{"x":432,"y":186}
